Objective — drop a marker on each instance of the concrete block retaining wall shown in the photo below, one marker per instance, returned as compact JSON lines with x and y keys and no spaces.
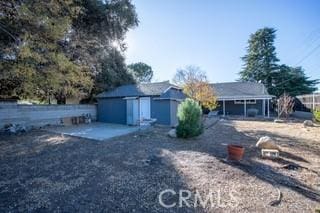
{"x":40,"y":115}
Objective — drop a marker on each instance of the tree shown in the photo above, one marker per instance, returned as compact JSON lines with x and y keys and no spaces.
{"x":97,"y":41}
{"x":113,"y":73}
{"x":285,"y":105}
{"x":33,"y":63}
{"x":99,"y":31}
{"x":189,"y":116}
{"x":260,"y":65}
{"x":196,"y":86}
{"x":60,"y":48}
{"x":142,"y":72}
{"x":291,"y":80}
{"x":260,"y":62}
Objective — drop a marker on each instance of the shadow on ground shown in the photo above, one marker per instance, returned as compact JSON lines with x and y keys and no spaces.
{"x":42,"y":171}
{"x":46,"y":171}
{"x":263,"y":171}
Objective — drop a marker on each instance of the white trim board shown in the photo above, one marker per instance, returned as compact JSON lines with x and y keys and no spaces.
{"x":232,"y":98}
{"x":172,"y":99}
{"x":175,"y":87}
{"x":128,"y":98}
{"x":249,"y":101}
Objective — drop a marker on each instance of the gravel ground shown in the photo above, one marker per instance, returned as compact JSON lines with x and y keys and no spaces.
{"x":42,"y":171}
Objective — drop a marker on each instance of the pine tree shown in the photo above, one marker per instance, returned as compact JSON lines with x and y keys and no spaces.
{"x":260,"y":62}
{"x":260,"y":65}
{"x":189,"y":116}
{"x":291,"y":80}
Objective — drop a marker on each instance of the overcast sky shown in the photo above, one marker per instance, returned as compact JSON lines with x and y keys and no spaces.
{"x":214,"y":34}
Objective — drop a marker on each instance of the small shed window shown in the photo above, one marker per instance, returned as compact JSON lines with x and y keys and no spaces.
{"x":247,"y":101}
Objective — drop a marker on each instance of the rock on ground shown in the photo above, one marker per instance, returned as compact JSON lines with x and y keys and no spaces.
{"x":267,"y":143}
{"x":172,"y":133}
{"x":15,"y":128}
{"x":308,"y":123}
{"x":278,"y":121}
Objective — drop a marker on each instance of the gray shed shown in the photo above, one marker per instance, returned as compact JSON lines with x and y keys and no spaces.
{"x":129,"y":104}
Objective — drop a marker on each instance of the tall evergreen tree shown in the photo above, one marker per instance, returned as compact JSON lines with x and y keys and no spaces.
{"x":260,"y":65}
{"x":291,"y":80}
{"x":260,"y":62}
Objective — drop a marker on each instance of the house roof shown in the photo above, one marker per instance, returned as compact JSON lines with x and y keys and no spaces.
{"x":229,"y":90}
{"x":143,"y":89}
{"x":240,"y":90}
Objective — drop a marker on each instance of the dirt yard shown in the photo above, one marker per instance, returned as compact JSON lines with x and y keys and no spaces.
{"x":41,"y":171}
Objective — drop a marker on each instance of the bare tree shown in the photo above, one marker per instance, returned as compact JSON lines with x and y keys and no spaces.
{"x":196,"y":86}
{"x":189,"y":74}
{"x":285,"y":105}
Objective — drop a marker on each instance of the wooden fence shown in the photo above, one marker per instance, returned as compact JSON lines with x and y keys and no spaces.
{"x":308,"y":102}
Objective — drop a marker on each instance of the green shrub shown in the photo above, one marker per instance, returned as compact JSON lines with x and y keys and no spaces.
{"x":316,"y":114}
{"x":189,"y":116}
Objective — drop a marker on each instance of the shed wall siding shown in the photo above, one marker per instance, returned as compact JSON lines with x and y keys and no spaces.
{"x":112,"y":110}
{"x":160,"y":109}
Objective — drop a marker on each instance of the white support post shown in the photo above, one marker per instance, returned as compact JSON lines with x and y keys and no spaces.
{"x":245,"y":108}
{"x":313,"y":106}
{"x":264,"y":108}
{"x":139,"y":116}
{"x":268,"y":108}
{"x":224,"y":108}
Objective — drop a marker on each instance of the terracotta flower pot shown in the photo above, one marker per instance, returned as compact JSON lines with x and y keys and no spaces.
{"x":235,"y":152}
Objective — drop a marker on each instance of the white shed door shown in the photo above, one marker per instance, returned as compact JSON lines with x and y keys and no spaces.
{"x":132,"y":111}
{"x":145,"y":108}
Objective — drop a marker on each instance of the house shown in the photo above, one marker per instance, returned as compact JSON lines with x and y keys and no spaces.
{"x":236,"y":98}
{"x":130,"y":104}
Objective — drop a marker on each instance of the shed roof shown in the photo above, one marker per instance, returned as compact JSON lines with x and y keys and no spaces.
{"x":240,"y":89}
{"x":143,"y":89}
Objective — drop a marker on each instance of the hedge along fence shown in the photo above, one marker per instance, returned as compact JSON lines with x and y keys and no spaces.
{"x":40,"y":115}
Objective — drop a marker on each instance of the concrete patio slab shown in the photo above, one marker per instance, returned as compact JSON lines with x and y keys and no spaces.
{"x":95,"y":130}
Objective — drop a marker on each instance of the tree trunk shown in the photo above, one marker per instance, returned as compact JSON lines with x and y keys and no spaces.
{"x":61,"y":99}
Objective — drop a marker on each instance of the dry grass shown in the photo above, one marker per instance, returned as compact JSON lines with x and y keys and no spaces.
{"x":45,"y":171}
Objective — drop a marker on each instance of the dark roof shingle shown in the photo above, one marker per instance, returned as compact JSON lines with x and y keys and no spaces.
{"x":239,"y":89}
{"x":143,"y":89}
{"x":222,"y":90}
